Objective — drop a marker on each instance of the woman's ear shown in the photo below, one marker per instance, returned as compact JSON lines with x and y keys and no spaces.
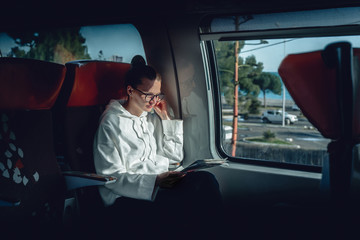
{"x":129,"y":90}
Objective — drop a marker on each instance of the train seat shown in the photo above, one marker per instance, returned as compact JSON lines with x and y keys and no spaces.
{"x":88,"y":87}
{"x":325,"y":85}
{"x":31,"y":183}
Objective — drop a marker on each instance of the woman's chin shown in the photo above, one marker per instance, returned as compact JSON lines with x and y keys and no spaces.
{"x":148,"y":108}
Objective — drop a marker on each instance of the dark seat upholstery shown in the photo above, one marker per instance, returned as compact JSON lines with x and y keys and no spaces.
{"x":88,"y":87}
{"x":325,"y":85}
{"x":31,"y":184}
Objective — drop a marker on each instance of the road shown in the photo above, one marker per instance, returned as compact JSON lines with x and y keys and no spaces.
{"x":301,"y":133}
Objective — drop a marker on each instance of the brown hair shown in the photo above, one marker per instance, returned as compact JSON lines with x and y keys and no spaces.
{"x":138,"y":71}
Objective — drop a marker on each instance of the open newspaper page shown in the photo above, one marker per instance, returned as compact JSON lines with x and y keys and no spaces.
{"x":204,"y":163}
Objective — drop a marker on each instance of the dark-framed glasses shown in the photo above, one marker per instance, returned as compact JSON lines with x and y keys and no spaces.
{"x":150,"y":96}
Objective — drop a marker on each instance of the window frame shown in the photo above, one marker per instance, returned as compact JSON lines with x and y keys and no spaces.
{"x":207,"y":38}
{"x":216,"y":96}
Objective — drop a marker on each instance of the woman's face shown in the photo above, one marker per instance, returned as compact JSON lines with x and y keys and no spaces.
{"x":138,"y":98}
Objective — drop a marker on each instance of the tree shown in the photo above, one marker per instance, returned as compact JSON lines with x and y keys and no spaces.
{"x":60,"y":45}
{"x":249,"y":69}
{"x":237,"y":82}
{"x":268,"y":82}
{"x":17,"y":52}
{"x":225,"y":60}
{"x":254,"y":106}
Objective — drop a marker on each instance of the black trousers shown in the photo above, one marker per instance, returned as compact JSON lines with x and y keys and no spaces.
{"x":192,"y":207}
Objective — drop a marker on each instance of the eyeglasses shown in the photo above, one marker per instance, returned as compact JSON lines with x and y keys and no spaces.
{"x":149,"y":96}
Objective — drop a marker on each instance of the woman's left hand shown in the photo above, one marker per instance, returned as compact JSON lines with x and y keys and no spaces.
{"x":169,"y":179}
{"x":161,"y":110}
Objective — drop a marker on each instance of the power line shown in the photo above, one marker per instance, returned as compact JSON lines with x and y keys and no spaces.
{"x":285,"y":41}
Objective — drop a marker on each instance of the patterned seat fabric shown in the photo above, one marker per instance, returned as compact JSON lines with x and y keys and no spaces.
{"x":32,"y":186}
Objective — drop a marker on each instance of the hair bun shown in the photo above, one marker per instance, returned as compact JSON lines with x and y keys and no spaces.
{"x":138,"y":61}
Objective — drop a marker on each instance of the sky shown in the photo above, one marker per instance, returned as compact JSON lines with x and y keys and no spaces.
{"x":121,"y":40}
{"x":6,"y":43}
{"x":125,"y":41}
{"x":271,"y":54}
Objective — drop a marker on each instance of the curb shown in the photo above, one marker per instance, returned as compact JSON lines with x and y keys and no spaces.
{"x":269,"y":144}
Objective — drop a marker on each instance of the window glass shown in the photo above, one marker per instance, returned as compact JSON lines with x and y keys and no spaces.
{"x":263,"y":131}
{"x":117,"y":43}
{"x":285,"y":20}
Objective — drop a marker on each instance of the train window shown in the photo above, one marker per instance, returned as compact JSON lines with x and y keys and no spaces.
{"x":271,"y":129}
{"x":118,"y":43}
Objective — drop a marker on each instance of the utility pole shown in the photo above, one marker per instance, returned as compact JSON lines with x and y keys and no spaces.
{"x":236,"y":93}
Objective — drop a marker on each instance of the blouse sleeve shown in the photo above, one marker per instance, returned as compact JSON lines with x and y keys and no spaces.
{"x":108,"y":161}
{"x":169,"y":139}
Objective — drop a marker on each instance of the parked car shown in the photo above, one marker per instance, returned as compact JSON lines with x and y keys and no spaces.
{"x":227,"y":132}
{"x":275,"y":116}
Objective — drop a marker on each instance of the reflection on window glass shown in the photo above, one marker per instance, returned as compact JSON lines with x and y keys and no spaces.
{"x":117,"y":43}
{"x":270,"y":125}
{"x":283,"y":20}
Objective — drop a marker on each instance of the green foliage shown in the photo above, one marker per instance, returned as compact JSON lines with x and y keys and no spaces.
{"x":249,"y":69}
{"x":254,"y":106}
{"x":60,"y":45}
{"x":268,"y":82}
{"x":225,"y":56}
{"x":247,"y":73}
{"x":16,"y":51}
{"x":268,"y":135}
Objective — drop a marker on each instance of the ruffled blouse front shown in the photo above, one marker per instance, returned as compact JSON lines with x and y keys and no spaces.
{"x":135,"y":150}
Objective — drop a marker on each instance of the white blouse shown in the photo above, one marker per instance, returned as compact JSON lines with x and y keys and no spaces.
{"x":135,"y":150}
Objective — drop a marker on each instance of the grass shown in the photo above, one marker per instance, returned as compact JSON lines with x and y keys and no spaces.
{"x":270,"y":140}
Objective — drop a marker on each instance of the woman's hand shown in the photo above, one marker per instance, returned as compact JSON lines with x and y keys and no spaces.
{"x":168,"y":179}
{"x":161,"y":110}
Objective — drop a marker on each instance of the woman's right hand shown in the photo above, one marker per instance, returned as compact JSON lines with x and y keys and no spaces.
{"x":161,"y":110}
{"x":168,"y":179}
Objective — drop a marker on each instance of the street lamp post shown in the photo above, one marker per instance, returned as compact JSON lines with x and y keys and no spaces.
{"x":283,"y":98}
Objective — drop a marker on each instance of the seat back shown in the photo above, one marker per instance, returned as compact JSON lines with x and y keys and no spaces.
{"x":325,"y":85}
{"x":88,"y":87}
{"x":29,"y":174}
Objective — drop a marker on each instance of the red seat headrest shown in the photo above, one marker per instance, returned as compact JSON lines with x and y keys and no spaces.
{"x":313,"y":85}
{"x":96,"y":82}
{"x":29,"y":83}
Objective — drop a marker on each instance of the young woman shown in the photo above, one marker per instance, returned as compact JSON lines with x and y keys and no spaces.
{"x":137,"y":145}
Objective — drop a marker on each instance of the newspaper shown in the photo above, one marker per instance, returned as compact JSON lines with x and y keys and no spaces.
{"x":204,"y":163}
